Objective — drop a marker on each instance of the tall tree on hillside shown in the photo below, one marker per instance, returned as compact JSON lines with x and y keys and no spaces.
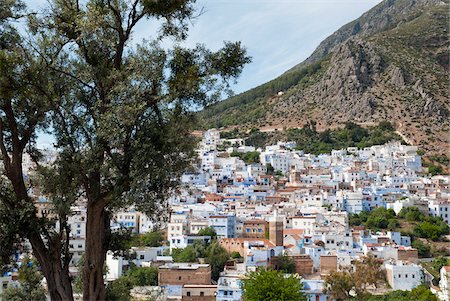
{"x":120,"y":115}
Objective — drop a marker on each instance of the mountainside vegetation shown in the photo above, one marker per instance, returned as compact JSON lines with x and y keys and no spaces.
{"x":309,"y":140}
{"x":389,"y":64}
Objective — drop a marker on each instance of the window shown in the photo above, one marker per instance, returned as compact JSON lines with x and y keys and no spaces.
{"x":179,"y":277}
{"x":399,"y":275}
{"x":141,"y":257}
{"x":188,"y":294}
{"x":202,"y":294}
{"x":414,"y":276}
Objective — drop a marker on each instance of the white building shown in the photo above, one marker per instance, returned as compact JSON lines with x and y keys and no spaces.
{"x":440,"y":208}
{"x":444,"y":284}
{"x":401,"y":276}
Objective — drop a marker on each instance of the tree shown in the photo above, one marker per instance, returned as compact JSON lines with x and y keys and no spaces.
{"x":208,"y":231}
{"x":152,"y":239}
{"x":119,"y":290}
{"x":121,"y":117}
{"x":217,"y":257}
{"x":422,"y":248}
{"x":235,"y":255}
{"x":271,"y":285}
{"x":286,"y":264}
{"x":439,"y":262}
{"x":30,"y":286}
{"x":366,"y":272}
{"x":411,"y":214}
{"x":339,"y":285}
{"x":27,"y":86}
{"x":419,"y":293}
{"x":191,"y":253}
{"x":143,"y":276}
{"x":270,"y":169}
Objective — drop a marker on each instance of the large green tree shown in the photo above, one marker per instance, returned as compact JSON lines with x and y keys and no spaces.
{"x":26,"y":89}
{"x":271,"y":285}
{"x":120,"y":114}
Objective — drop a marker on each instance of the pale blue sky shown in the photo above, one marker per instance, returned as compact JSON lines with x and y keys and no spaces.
{"x":278,"y":34}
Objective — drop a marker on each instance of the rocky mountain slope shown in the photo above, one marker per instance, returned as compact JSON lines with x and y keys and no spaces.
{"x":390,"y":64}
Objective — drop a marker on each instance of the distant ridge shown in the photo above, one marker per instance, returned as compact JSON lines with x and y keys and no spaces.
{"x":390,"y":64}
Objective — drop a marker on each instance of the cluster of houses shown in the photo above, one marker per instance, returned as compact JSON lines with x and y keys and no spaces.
{"x":289,"y":203}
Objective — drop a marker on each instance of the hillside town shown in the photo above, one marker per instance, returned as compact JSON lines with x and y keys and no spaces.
{"x":284,"y":204}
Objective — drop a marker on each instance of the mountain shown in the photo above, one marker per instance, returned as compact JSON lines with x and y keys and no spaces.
{"x":391,"y":64}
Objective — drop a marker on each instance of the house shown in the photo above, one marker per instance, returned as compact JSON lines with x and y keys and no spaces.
{"x":182,"y":241}
{"x":199,"y":292}
{"x":444,"y":284}
{"x":255,"y":228}
{"x":224,"y":225}
{"x":229,"y":283}
{"x":174,"y":276}
{"x":402,"y":276}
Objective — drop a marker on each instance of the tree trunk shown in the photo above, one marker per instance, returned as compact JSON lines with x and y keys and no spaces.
{"x":49,"y":257}
{"x":97,"y":228}
{"x":57,"y":276}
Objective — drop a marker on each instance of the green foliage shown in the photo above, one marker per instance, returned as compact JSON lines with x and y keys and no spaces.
{"x":422,"y":248}
{"x":120,"y":114}
{"x":208,"y":231}
{"x":411,"y":214}
{"x":189,"y":254}
{"x":424,"y":226}
{"x":234,"y":133}
{"x":435,"y":169}
{"x":271,"y":285}
{"x":257,"y":138}
{"x":393,"y":224}
{"x":30,"y":284}
{"x":432,"y":228}
{"x":143,"y":276}
{"x":214,"y":254}
{"x":420,"y":152}
{"x":248,"y":157}
{"x":119,"y":290}
{"x":286,"y":264}
{"x":235,"y":255}
{"x":217,"y":257}
{"x":419,"y":293}
{"x":380,"y":218}
{"x":311,"y":141}
{"x":197,"y":250}
{"x":443,"y":159}
{"x":152,"y":239}
{"x":439,"y":262}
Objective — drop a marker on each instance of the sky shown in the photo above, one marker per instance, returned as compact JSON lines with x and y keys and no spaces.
{"x":278,"y":34}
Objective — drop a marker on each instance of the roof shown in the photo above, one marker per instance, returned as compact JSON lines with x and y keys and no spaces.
{"x":266,"y":242}
{"x":255,"y":221}
{"x":293,"y":231}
